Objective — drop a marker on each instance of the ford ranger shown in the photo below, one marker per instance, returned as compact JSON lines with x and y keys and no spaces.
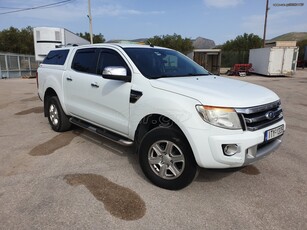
{"x":177,"y":114}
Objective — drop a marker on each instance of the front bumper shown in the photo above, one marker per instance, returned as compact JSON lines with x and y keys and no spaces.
{"x":251,"y":147}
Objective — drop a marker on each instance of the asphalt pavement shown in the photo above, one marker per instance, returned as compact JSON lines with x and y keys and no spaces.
{"x":78,"y":180}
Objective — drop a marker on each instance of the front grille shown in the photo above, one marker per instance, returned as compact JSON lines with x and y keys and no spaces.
{"x":258,"y":117}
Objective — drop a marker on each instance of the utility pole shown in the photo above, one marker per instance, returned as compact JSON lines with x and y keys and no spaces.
{"x":90,"y":20}
{"x":265,"y":22}
{"x":266,"y":14}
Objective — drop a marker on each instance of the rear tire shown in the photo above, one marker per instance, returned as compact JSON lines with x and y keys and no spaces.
{"x":166,"y":158}
{"x":58,"y":120}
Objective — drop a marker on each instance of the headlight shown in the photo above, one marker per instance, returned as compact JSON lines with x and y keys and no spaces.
{"x":219,"y":116}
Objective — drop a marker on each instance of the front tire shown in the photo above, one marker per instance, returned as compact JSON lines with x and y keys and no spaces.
{"x":166,"y":158}
{"x":58,"y":120}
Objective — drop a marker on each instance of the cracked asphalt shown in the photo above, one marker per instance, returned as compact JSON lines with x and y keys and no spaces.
{"x":78,"y":180}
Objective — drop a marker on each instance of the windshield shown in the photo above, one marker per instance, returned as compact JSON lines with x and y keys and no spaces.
{"x":157,"y":63}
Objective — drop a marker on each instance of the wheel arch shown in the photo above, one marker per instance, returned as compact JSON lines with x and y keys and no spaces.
{"x":151,"y":121}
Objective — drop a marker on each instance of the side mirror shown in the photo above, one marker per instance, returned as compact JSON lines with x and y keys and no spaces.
{"x":116,"y":73}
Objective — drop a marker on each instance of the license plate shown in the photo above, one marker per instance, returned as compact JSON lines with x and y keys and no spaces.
{"x":273,"y":133}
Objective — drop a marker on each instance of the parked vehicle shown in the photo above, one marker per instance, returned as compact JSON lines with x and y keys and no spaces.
{"x":177,"y":114}
{"x":240,"y":70}
{"x":274,"y":61}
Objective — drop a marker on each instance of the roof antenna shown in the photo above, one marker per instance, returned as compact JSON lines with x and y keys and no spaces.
{"x":150,"y":44}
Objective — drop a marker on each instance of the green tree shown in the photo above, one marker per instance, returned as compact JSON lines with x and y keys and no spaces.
{"x":26,"y":43}
{"x":176,"y":42}
{"x":17,"y":41}
{"x":237,"y":50}
{"x":243,"y":42}
{"x":97,"y":38}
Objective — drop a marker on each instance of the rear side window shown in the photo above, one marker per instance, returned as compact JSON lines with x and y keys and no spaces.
{"x":85,"y":60}
{"x":56,"y":57}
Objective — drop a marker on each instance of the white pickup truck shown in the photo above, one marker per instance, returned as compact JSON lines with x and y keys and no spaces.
{"x":178,"y":115}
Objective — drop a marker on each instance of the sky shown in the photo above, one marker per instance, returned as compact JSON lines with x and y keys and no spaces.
{"x":218,"y":20}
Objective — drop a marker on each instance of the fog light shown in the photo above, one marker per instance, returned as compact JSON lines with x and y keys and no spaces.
{"x":230,"y":149}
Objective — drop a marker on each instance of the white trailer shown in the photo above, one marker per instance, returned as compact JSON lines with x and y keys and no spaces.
{"x":274,"y":61}
{"x":47,"y":38}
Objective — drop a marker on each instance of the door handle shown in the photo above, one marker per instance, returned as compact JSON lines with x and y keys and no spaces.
{"x":95,"y":85}
{"x":69,"y":79}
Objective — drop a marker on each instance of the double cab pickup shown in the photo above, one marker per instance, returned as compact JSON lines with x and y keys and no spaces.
{"x":177,"y":114}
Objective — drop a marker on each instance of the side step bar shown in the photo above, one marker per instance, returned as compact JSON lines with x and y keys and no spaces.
{"x":101,"y":132}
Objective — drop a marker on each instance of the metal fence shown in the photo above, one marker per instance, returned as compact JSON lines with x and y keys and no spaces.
{"x":229,"y":58}
{"x":17,"y":65}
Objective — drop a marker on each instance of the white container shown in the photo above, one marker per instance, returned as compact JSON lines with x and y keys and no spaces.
{"x":274,"y":61}
{"x":48,"y":38}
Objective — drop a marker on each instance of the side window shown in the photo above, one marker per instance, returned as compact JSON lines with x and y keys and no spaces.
{"x":85,"y":60}
{"x":56,"y":57}
{"x":111,"y":58}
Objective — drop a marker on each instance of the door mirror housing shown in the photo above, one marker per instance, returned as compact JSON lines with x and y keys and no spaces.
{"x":116,"y":73}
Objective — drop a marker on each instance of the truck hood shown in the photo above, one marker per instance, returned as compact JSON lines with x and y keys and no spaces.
{"x":217,"y":91}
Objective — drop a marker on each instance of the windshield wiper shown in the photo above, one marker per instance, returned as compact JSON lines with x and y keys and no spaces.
{"x":181,"y":75}
{"x":193,"y":75}
{"x":197,"y":74}
{"x":162,"y":76}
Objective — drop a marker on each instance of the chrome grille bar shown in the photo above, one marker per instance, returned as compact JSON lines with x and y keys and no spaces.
{"x":258,"y":117}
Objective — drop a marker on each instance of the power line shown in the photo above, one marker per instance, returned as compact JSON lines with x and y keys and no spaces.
{"x":56,"y":4}
{"x":10,"y":8}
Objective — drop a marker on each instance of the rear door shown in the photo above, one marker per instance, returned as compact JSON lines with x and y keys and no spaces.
{"x":276,"y":61}
{"x":287,"y":61}
{"x":92,"y":98}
